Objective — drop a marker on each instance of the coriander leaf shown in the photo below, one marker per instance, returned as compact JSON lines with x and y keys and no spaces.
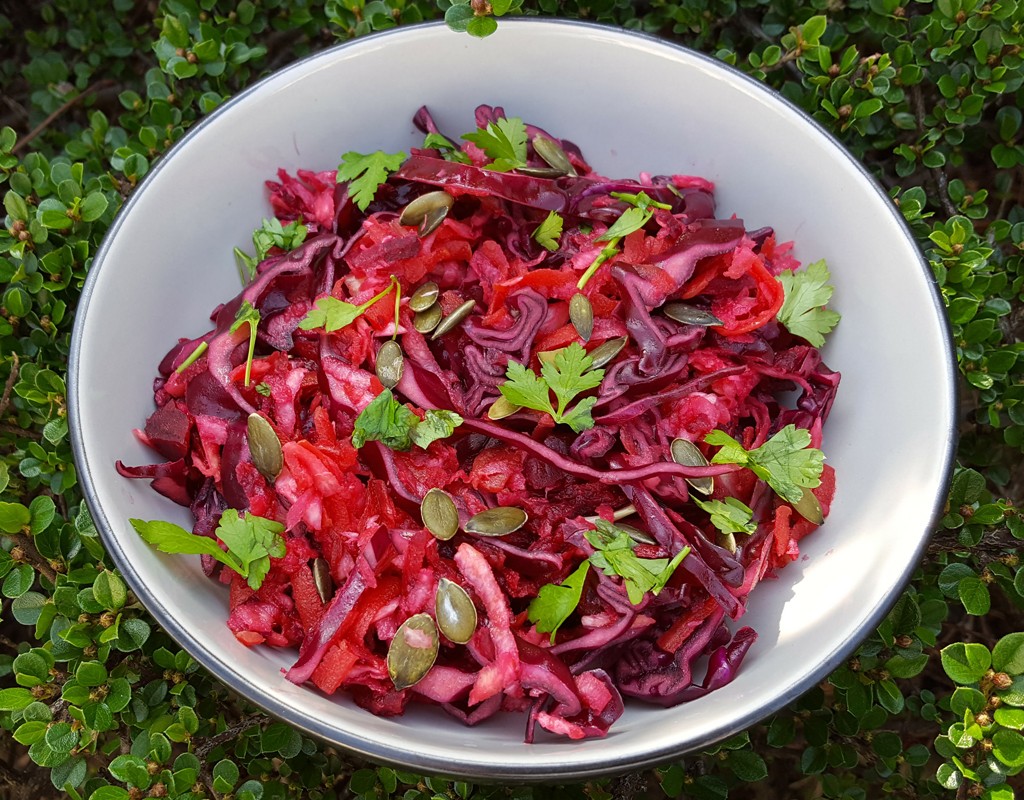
{"x":732,"y":516}
{"x":554,"y":603}
{"x":786,"y":461}
{"x":247,"y":314}
{"x":438,"y":424}
{"x":170,"y":538}
{"x":632,"y":219}
{"x":331,"y":314}
{"x":272,"y":234}
{"x":503,"y":141}
{"x":549,"y":231}
{"x":252,"y":540}
{"x":387,"y":421}
{"x":567,"y":375}
{"x":365,"y":173}
{"x":803,"y":311}
{"x":614,"y":556}
{"x":448,"y":149}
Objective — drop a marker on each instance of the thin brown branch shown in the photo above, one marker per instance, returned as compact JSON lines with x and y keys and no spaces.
{"x":32,"y":555}
{"x":938,"y":174}
{"x":229,"y":733}
{"x":5,"y":400}
{"x":14,"y":430}
{"x":42,"y":126}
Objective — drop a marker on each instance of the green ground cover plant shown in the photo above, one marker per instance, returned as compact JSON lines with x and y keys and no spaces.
{"x":96,"y":702}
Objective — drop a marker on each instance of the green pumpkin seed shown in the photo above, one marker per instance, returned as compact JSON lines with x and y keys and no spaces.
{"x":425,"y":321}
{"x":581,"y":314}
{"x":809,"y":508}
{"x":728,"y":541}
{"x":390,"y":364}
{"x":687,"y":453}
{"x":419,"y":209}
{"x":322,"y":579}
{"x":413,"y":651}
{"x":424,"y":297}
{"x":499,"y":521}
{"x":619,"y":513}
{"x":547,"y":356}
{"x":690,"y":315}
{"x":502,"y":408}
{"x":432,"y":221}
{"x":265,"y":447}
{"x":453,"y":319}
{"x":605,"y":353}
{"x":637,"y":535}
{"x":439,"y":514}
{"x":553,"y":154}
{"x":540,"y":172}
{"x":455,"y":612}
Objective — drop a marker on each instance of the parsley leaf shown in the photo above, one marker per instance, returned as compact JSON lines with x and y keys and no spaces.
{"x":394,"y":425}
{"x":270,"y":234}
{"x":247,"y":314}
{"x":549,"y":231}
{"x":614,"y":555}
{"x":732,"y":516}
{"x":803,"y":311}
{"x":333,"y":314}
{"x":556,"y":601}
{"x":567,"y":375}
{"x":387,"y":421}
{"x":632,"y":219}
{"x":251,"y":542}
{"x":786,"y":462}
{"x":365,"y":173}
{"x":439,"y":423}
{"x":503,"y":141}
{"x":448,"y":149}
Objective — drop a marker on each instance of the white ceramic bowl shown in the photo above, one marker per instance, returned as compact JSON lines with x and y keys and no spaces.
{"x":632,"y":103}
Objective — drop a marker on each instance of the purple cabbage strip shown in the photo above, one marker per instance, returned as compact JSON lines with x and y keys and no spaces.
{"x":314,"y":646}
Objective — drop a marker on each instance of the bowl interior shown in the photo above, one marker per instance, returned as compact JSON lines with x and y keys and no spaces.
{"x":632,"y":104}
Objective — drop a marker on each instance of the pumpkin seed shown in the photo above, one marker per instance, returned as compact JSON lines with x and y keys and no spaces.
{"x":637,"y":535}
{"x":419,"y":209}
{"x":432,"y":221}
{"x":547,"y":356}
{"x":728,"y":541}
{"x":498,"y":521}
{"x":322,"y":579}
{"x":687,"y":453}
{"x":439,"y":514}
{"x":453,"y":319}
{"x":413,"y":651}
{"x":265,"y":447}
{"x":690,"y":315}
{"x":809,"y":508}
{"x":390,"y":364}
{"x":619,"y":513}
{"x":602,"y":355}
{"x":553,"y":154}
{"x":540,"y":172}
{"x":502,"y":408}
{"x":455,"y":612}
{"x":425,"y":321}
{"x":424,"y":297}
{"x":581,"y":314}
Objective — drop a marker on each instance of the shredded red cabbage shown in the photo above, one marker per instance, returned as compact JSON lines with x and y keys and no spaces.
{"x":358,"y":510}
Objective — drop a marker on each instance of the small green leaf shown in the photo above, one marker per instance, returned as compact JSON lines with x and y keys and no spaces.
{"x":1008,"y":747}
{"x":965,"y":663}
{"x":1008,"y":654}
{"x":109,"y":590}
{"x":14,"y":517}
{"x":14,"y":699}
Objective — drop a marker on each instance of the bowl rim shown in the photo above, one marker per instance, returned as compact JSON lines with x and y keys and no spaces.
{"x":579,"y":769}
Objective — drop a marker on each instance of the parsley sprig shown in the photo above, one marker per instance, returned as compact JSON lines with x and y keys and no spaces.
{"x":730,"y":516}
{"x":786,"y":461}
{"x":567,"y":375}
{"x":251,"y":542}
{"x":803,"y":311}
{"x":333,"y":314}
{"x":366,"y":172}
{"x":555,"y":602}
{"x":614,"y":555}
{"x":396,"y":426}
{"x":503,"y":141}
{"x":448,"y":149}
{"x":631,"y":220}
{"x":549,"y":231}
{"x":270,"y":234}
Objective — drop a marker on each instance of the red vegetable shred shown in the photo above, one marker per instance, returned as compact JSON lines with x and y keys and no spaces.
{"x":688,"y":306}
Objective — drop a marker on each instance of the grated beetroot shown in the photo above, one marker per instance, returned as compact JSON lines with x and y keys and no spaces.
{"x":358,"y":510}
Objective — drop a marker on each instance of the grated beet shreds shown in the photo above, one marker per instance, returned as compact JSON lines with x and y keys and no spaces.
{"x":358,"y":510}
